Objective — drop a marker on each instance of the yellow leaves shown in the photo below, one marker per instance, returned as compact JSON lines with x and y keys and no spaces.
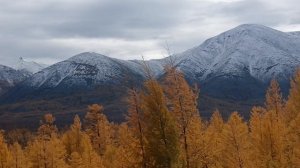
{"x":293,"y":105}
{"x":236,"y":141}
{"x":274,"y":98}
{"x":47,"y":129}
{"x":50,"y":153}
{"x":19,"y":160}
{"x":98,"y":128}
{"x":164,"y":129}
{"x":75,"y":160}
{"x":5,"y":155}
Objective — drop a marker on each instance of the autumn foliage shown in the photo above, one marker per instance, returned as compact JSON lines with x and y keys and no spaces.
{"x":163,"y":128}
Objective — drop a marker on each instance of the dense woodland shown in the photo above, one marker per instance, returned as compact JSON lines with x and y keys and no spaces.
{"x":163,"y":128}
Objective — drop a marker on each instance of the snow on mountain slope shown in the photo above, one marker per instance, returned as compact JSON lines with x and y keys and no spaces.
{"x":295,"y":33}
{"x":259,"y":51}
{"x":237,"y":64}
{"x":244,"y":58}
{"x":85,"y":69}
{"x":29,"y":67}
{"x":9,"y":77}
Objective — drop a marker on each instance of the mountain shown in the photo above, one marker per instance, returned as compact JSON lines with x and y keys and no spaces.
{"x":239,"y":64}
{"x":29,"y":67}
{"x":9,"y":77}
{"x":69,"y":86}
{"x":233,"y":70}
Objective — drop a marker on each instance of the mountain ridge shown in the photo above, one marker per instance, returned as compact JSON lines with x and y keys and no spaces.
{"x":236,"y":65}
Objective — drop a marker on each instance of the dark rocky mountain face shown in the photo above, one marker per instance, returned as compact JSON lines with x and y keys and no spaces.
{"x":232,"y":69}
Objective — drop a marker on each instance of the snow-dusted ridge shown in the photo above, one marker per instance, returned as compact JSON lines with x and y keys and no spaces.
{"x":262,"y":52}
{"x":87,"y":69}
{"x":244,"y":58}
{"x":29,"y":67}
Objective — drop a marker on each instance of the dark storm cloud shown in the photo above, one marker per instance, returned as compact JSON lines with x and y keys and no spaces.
{"x":53,"y":30}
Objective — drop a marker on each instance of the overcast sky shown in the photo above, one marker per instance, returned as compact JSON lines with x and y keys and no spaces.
{"x":49,"y":31}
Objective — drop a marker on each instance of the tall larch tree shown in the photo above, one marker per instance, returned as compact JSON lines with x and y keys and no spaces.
{"x":75,"y":160}
{"x":45,"y":154}
{"x":47,"y":150}
{"x":236,"y":139}
{"x":182,"y":102}
{"x":74,"y":137}
{"x":292,"y":104}
{"x":199,"y":150}
{"x":213,"y":136}
{"x":161,"y":133}
{"x":268,"y":130}
{"x":274,"y":101}
{"x":79,"y":148}
{"x":258,"y":137}
{"x":293,"y":143}
{"x":19,"y":160}
{"x":136,"y":125}
{"x":56,"y":153}
{"x":47,"y":128}
{"x":98,"y":128}
{"x":293,"y":122}
{"x":128,"y":153}
{"x":5,"y":155}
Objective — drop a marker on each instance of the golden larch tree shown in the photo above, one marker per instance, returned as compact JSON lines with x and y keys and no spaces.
{"x":136,"y":125}
{"x":213,"y":136}
{"x":161,"y":133}
{"x":18,"y":156}
{"x":5,"y":155}
{"x":182,"y":102}
{"x":235,"y":138}
{"x":78,"y":146}
{"x":292,"y":104}
{"x":293,"y":122}
{"x":268,"y":130}
{"x":47,"y":127}
{"x":47,"y":150}
{"x":98,"y":128}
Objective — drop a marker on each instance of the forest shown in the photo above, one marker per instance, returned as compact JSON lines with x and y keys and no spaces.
{"x":164,"y":129}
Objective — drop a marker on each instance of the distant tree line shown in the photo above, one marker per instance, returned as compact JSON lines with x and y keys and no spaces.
{"x":163,"y":129}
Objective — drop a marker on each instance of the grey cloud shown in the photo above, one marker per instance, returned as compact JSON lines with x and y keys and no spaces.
{"x":42,"y":30}
{"x":122,"y":19}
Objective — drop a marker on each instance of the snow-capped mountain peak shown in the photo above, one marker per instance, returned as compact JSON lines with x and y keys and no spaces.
{"x":238,"y":63}
{"x":29,"y":66}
